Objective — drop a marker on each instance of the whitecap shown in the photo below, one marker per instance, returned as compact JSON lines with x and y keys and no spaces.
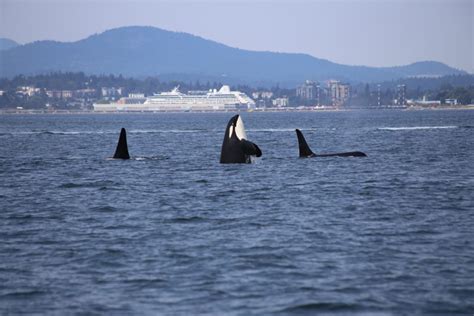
{"x":410,"y":128}
{"x":257,"y":130}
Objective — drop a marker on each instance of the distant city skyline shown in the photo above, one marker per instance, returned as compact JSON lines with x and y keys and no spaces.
{"x":354,"y":32}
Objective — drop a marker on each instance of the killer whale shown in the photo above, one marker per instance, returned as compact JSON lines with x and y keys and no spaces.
{"x":306,"y":152}
{"x":121,"y":152}
{"x":235,"y":147}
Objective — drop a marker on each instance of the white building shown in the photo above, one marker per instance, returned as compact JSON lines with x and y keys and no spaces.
{"x":262,"y":95}
{"x":111,"y":92}
{"x":308,"y":90}
{"x":136,"y":96}
{"x":27,"y":90}
{"x":340,"y":92}
{"x":281,"y":102}
{"x":424,"y":101}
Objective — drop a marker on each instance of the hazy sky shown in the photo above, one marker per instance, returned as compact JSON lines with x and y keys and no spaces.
{"x":358,"y":32}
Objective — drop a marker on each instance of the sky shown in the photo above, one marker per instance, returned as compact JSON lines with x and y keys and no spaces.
{"x":353,"y":32}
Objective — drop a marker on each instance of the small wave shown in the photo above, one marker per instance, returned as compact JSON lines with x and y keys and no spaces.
{"x":23,"y":294}
{"x":57,"y":133}
{"x":201,"y":181}
{"x":314,"y":307}
{"x":71,"y":185}
{"x":142,"y":158}
{"x":151,"y":131}
{"x":144,"y":281}
{"x":409,"y":128}
{"x":175,"y":131}
{"x":191,"y":219}
{"x":105,"y":209}
{"x":78,"y":132}
{"x":146,"y":131}
{"x":100,"y":183}
{"x":149,"y":158}
{"x":271,"y":130}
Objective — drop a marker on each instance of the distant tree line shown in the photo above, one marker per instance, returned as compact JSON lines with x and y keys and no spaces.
{"x":79,"y":80}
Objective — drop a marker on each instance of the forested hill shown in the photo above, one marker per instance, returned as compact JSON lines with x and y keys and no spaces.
{"x":148,"y":51}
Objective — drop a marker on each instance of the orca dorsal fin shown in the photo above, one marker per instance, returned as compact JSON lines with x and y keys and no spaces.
{"x":122,"y":149}
{"x":305,"y":151}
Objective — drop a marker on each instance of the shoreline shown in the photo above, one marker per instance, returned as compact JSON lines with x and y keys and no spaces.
{"x":276,"y":110}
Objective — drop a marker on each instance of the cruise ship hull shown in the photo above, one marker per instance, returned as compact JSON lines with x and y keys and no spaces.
{"x":175,"y":101}
{"x":141,"y":107}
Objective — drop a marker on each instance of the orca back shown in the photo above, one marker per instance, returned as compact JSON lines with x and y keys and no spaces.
{"x":345,"y":154}
{"x":122,"y":149}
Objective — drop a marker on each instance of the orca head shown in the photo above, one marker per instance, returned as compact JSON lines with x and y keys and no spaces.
{"x":235,"y":147}
{"x":236,"y":128}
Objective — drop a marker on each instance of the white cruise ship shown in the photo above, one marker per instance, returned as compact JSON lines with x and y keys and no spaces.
{"x":213,"y":100}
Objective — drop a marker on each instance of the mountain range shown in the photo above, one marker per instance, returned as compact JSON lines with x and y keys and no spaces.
{"x":141,"y":51}
{"x":6,"y":43}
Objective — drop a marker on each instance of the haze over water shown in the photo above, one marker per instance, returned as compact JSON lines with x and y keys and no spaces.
{"x":172,"y":231}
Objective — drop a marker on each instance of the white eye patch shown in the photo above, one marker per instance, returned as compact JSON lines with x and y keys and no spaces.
{"x":240,"y":129}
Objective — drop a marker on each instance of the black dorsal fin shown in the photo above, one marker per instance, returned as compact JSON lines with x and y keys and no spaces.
{"x":122,"y":149}
{"x":305,"y":151}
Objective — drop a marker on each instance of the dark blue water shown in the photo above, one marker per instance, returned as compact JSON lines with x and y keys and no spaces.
{"x":175,"y":232}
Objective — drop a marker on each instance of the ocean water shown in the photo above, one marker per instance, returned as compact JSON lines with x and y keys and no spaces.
{"x":174,"y":232}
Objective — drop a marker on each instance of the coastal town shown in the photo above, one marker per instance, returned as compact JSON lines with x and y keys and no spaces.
{"x":78,"y":92}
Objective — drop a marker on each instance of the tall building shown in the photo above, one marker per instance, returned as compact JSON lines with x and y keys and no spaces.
{"x":318,"y":95}
{"x":307,"y":91}
{"x":340,"y":92}
{"x":401,"y":94}
{"x":378,"y":96}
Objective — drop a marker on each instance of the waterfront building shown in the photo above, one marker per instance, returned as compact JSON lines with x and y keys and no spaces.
{"x":53,"y":94}
{"x":262,"y":95}
{"x":27,"y":90}
{"x":281,"y":102}
{"x":340,"y":92}
{"x":308,"y":90}
{"x":379,"y":102}
{"x":59,"y":94}
{"x":133,"y":98}
{"x":136,"y":95}
{"x":84,"y":93}
{"x":424,"y":102}
{"x":401,"y":94}
{"x":66,"y":94}
{"x":108,"y":92}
